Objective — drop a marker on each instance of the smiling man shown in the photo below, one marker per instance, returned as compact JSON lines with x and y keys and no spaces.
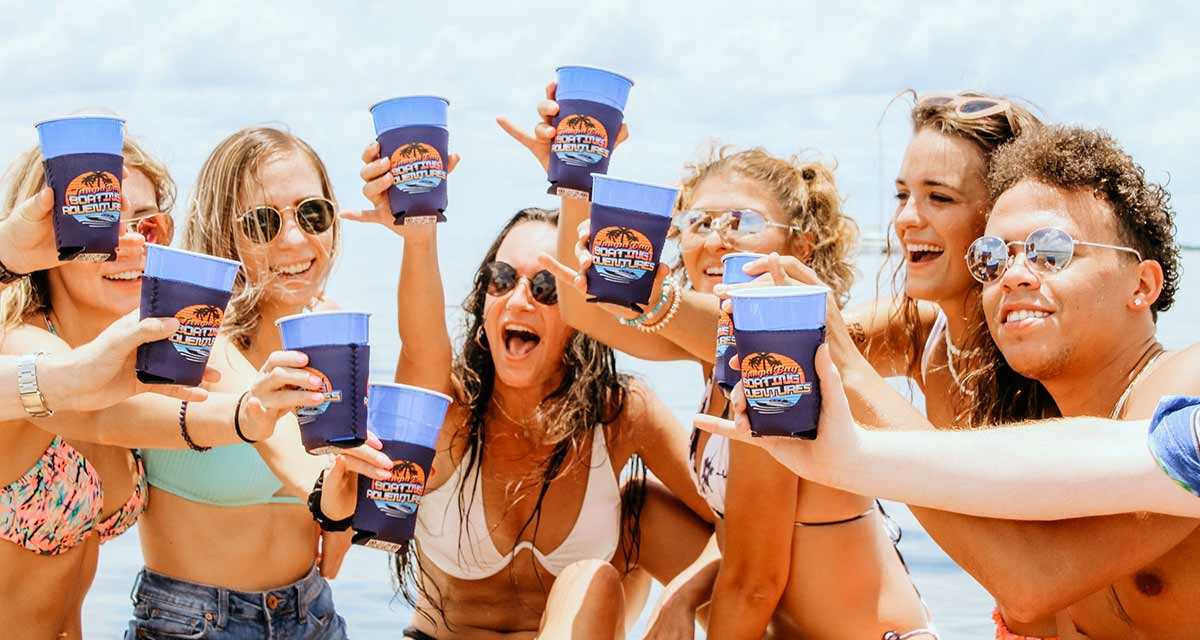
{"x":1077,"y":259}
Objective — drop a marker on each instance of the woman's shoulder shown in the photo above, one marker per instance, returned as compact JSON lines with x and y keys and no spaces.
{"x":30,"y":338}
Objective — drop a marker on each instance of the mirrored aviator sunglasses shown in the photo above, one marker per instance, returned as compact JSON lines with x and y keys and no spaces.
{"x":314,"y":216}
{"x":1048,"y":250}
{"x":503,"y":278}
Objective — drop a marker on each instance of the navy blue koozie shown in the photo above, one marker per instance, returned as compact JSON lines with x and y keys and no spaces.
{"x":412,"y":132}
{"x":339,"y":354}
{"x":629,"y":224}
{"x":778,"y":331}
{"x":407,"y":420}
{"x":84,"y":167}
{"x":591,"y":106}
{"x":194,"y":289}
{"x":732,"y":273}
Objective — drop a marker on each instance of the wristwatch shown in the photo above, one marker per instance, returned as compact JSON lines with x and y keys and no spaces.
{"x":27,"y":386}
{"x":8,"y":276}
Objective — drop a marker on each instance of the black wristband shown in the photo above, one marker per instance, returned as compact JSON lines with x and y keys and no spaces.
{"x":8,"y":276}
{"x":314,"y":507}
{"x":183,"y":431}
{"x":237,"y":420}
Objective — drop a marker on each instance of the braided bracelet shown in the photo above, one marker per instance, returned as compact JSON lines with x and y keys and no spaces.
{"x":663,"y":297}
{"x":183,"y":431}
{"x":661,"y":324}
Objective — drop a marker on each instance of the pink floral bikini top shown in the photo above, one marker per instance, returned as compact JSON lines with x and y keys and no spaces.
{"x":57,"y":503}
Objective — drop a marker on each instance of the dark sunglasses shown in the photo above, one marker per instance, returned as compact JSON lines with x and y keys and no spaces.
{"x":1049,"y":250}
{"x":966,"y":107}
{"x":502,"y":278}
{"x":262,"y":223}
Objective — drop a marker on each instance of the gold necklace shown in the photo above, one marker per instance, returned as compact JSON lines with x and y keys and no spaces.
{"x":951,"y":353}
{"x":520,"y":423}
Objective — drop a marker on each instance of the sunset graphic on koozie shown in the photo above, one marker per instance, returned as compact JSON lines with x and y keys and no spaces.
{"x":399,"y":495}
{"x":93,"y":199}
{"x":773,"y":382}
{"x":198,"y":327}
{"x":580,"y":140}
{"x":622,"y":254}
{"x":417,"y":168}
{"x":305,"y":415}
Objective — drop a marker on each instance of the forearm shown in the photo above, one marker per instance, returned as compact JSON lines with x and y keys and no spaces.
{"x":426,"y":355}
{"x":742,"y":604}
{"x":150,"y":421}
{"x":873,"y":402}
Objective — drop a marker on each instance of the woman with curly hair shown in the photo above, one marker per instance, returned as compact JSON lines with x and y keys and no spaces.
{"x":524,"y":528}
{"x":840,"y":578}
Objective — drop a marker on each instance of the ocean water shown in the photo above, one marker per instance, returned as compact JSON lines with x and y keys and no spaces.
{"x":363,"y":592}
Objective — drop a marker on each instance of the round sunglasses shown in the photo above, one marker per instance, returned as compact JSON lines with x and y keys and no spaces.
{"x":262,"y":223}
{"x":503,"y":278}
{"x":695,"y":224}
{"x":1049,"y":250}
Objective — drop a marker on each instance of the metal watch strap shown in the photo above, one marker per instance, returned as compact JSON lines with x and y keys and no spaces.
{"x":27,"y":386}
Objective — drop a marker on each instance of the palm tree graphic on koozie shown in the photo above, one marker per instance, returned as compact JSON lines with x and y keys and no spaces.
{"x":408,"y":472}
{"x":96,"y":179}
{"x":414,"y":152}
{"x":624,"y":238}
{"x":91,"y":183}
{"x":205,"y":315}
{"x":760,"y":364}
{"x":581,"y":124}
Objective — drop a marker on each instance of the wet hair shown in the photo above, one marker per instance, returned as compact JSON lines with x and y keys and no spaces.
{"x":994,"y":393}
{"x":1074,"y":158}
{"x":806,"y":192}
{"x":220,"y":197}
{"x":591,"y":395}
{"x":24,"y":178}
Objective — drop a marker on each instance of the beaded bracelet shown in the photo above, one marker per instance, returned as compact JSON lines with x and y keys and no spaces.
{"x":661,"y":324}
{"x":667,"y":286}
{"x":183,"y":431}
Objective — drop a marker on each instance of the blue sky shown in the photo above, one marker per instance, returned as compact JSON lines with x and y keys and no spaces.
{"x":794,"y":77}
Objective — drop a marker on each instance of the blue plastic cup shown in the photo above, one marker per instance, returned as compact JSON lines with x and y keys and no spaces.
{"x":193,"y":288}
{"x":778,"y":331}
{"x":591,"y":108}
{"x":629,"y":222}
{"x":577,"y":82}
{"x":407,"y":421}
{"x":412,"y":131}
{"x":734,"y":273}
{"x":734,"y":267}
{"x":337,"y":344}
{"x":85,"y":168}
{"x":324,"y":327}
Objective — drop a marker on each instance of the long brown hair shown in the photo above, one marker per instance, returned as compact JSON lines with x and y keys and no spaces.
{"x":992,"y":392}
{"x":219,"y":198}
{"x":24,"y":178}
{"x":591,"y":395}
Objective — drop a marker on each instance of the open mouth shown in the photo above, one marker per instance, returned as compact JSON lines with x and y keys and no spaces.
{"x":1024,"y":317}
{"x":715,"y":272}
{"x":918,"y":253}
{"x":519,"y":340}
{"x":293,"y":270}
{"x":124,"y":276}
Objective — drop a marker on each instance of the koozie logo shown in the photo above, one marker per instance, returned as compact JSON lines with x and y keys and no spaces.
{"x":399,"y":495}
{"x":622,"y":255}
{"x":773,"y":382}
{"x":305,"y":415}
{"x":93,"y":199}
{"x":417,"y":168}
{"x":580,"y":141}
{"x":725,"y":338}
{"x":197,"y":332}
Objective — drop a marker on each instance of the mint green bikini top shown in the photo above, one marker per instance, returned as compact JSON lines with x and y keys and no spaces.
{"x":230,"y":476}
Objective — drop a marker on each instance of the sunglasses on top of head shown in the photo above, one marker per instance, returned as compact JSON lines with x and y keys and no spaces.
{"x":1048,"y":250}
{"x":503,"y":278}
{"x":262,"y":223}
{"x":967,"y":107}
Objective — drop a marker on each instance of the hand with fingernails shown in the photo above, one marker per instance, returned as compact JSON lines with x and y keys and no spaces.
{"x":538,"y":142}
{"x":282,"y":386}
{"x":577,"y":279}
{"x":101,"y":373}
{"x":377,"y":179}
{"x":339,"y":496}
{"x":819,"y":460}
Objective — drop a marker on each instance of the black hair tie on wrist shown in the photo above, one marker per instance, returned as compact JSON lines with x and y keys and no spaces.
{"x":314,"y":507}
{"x":183,"y":431}
{"x":237,"y":419}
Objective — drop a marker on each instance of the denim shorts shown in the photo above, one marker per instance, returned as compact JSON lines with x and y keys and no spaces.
{"x":164,"y":607}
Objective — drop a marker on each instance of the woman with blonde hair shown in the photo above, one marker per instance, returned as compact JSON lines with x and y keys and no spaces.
{"x":70,"y":480}
{"x":840,"y":576}
{"x":230,"y":551}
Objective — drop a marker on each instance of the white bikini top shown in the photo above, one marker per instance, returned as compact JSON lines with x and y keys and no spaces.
{"x":596,"y":533}
{"x":935,"y":334}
